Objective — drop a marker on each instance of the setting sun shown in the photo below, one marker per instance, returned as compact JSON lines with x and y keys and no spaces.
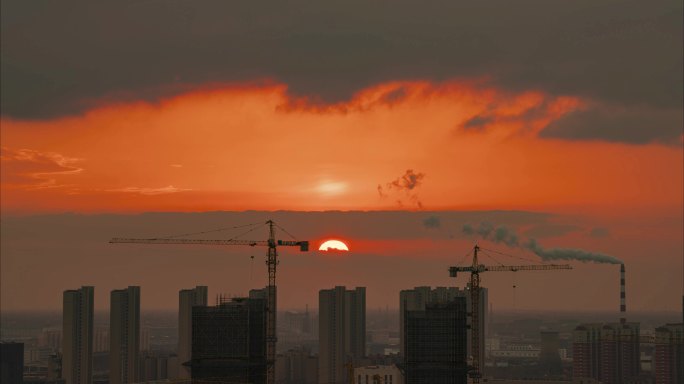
{"x":334,"y":245}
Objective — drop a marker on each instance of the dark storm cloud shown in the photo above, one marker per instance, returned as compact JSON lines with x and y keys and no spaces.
{"x":59,"y":58}
{"x":635,"y":125}
{"x":477,"y":122}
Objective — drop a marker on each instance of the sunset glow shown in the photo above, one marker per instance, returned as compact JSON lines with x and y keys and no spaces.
{"x":241,"y":147}
{"x":393,"y":135}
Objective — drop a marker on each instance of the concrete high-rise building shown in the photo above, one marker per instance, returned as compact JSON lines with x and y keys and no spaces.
{"x":669,"y":354}
{"x":417,"y":298}
{"x":11,"y":362}
{"x":153,"y":367}
{"x":586,"y":351}
{"x":187,"y":298}
{"x":435,"y":347}
{"x":229,"y":340}
{"x":124,"y":335}
{"x":620,"y":353}
{"x":608,"y":353}
{"x":77,"y":340}
{"x":342,"y":332}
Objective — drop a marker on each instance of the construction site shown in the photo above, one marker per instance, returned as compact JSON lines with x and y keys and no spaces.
{"x":447,"y":335}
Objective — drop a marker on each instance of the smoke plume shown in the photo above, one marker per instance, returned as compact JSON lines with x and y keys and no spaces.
{"x":500,"y":234}
{"x":504,"y":235}
{"x":407,"y":181}
{"x":570,"y":254}
{"x":432,"y":222}
{"x":405,"y":186}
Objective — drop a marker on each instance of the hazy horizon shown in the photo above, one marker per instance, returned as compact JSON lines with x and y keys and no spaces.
{"x":405,"y":248}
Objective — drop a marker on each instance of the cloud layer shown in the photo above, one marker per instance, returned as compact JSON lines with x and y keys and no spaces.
{"x":61,"y":60}
{"x":257,"y":147}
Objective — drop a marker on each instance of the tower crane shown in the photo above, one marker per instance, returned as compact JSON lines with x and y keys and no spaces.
{"x":475,"y":269}
{"x":271,"y":261}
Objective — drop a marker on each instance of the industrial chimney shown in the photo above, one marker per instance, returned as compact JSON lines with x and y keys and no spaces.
{"x":623,"y":304}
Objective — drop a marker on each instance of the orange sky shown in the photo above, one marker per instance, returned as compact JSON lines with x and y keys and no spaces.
{"x":240,"y":147}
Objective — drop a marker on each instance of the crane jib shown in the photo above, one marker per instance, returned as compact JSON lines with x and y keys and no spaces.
{"x":475,"y":269}
{"x":303,"y":245}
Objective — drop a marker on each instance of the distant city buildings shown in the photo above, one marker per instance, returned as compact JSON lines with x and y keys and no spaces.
{"x":297,"y":366}
{"x":229,"y":340}
{"x":608,"y":353}
{"x":187,"y":299}
{"x":549,"y":356}
{"x":435,"y":347}
{"x":378,"y":374}
{"x":124,"y":335}
{"x":11,"y":363}
{"x":77,"y":331}
{"x":669,"y":354}
{"x":101,"y":339}
{"x":342,"y":332}
{"x":51,"y":338}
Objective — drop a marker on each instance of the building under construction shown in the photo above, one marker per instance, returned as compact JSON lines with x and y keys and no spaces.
{"x":418,"y":297}
{"x":435,"y":343}
{"x":229,"y":340}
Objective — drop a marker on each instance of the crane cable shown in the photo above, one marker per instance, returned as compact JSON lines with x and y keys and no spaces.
{"x":244,"y":233}
{"x":486,"y":253}
{"x":515,"y":257}
{"x":209,"y":231}
{"x":284,"y":230}
{"x":465,"y":257}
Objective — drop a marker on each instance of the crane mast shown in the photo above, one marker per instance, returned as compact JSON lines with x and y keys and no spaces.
{"x":475,"y":317}
{"x":271,"y":262}
{"x":271,"y":337}
{"x":475,"y":330}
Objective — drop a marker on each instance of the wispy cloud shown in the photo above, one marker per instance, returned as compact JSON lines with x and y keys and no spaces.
{"x":150,"y":191}
{"x":32,"y":169}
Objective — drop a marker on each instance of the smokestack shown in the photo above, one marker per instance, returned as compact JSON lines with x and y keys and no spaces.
{"x":623,"y":304}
